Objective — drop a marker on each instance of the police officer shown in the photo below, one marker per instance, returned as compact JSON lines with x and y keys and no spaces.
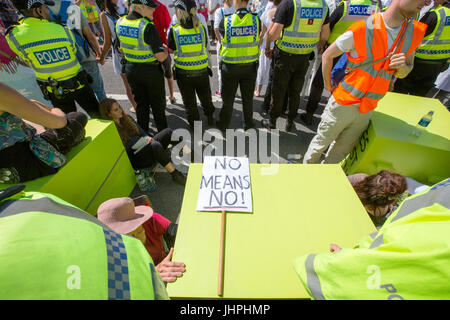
{"x":49,"y":48}
{"x":143,"y":51}
{"x":303,"y":25}
{"x":239,"y":52}
{"x":347,"y":13}
{"x":189,"y":41}
{"x":431,"y":58}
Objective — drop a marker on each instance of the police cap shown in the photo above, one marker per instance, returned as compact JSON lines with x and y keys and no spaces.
{"x":149,"y":3}
{"x":28,"y":4}
{"x":185,"y":5}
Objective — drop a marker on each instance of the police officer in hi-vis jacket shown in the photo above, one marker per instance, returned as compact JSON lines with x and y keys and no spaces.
{"x":143,"y":51}
{"x":49,"y":49}
{"x":189,"y":41}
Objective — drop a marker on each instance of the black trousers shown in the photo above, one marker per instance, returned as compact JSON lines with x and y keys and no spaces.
{"x":234,"y":75}
{"x":85,"y":97}
{"x":189,"y":86}
{"x":317,"y":90}
{"x":288,"y":76}
{"x":156,"y":150}
{"x":268,"y":95}
{"x":27,"y":166}
{"x":147,"y":84}
{"x":422,"y":77}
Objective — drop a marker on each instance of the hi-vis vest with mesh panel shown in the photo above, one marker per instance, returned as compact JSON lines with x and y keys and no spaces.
{"x":436,"y":45}
{"x":191,"y":53}
{"x":50,"y":249}
{"x":367,"y":83}
{"x":132,"y":43}
{"x":408,"y":258}
{"x":303,"y":34}
{"x":240,"y":43}
{"x":354,"y":10}
{"x":49,"y":48}
{"x":89,"y":11}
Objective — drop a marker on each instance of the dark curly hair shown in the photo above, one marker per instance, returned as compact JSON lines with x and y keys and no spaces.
{"x":381,"y":189}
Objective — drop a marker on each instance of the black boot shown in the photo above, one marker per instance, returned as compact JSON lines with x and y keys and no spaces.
{"x":289,"y":125}
{"x":269,"y":124}
{"x":306,"y":118}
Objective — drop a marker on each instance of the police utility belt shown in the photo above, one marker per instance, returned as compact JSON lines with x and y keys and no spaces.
{"x":60,"y":88}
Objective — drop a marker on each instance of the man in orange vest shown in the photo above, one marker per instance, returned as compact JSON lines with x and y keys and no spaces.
{"x":377,"y":49}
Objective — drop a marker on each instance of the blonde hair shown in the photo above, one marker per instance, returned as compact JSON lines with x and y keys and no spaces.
{"x":184,"y":16}
{"x":135,"y":6}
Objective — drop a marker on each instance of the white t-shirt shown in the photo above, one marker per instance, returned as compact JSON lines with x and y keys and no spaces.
{"x":211,"y":5}
{"x":346,"y":43}
{"x":220,"y":14}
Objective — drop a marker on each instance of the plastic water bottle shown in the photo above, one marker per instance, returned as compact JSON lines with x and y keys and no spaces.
{"x":140,"y":177}
{"x":422,"y":124}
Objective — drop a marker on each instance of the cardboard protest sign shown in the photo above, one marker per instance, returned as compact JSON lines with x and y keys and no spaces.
{"x":225,"y":185}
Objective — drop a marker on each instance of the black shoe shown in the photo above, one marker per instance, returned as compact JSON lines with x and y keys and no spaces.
{"x":178,"y":177}
{"x":289,"y":125}
{"x":268,"y":124}
{"x":306,"y":118}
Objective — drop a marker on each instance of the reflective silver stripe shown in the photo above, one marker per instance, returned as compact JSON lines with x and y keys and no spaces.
{"x":373,"y":234}
{"x":437,"y":35}
{"x":359,"y":94}
{"x":72,"y":64}
{"x":189,"y":54}
{"x":240,"y":45}
{"x":69,"y":37}
{"x":377,"y":242}
{"x":408,"y":37}
{"x":301,"y":34}
{"x":369,"y":38}
{"x":312,"y":279}
{"x":240,"y":58}
{"x":439,"y":194}
{"x":60,"y":78}
{"x":131,"y":47}
{"x":47,"y":205}
{"x":428,"y":42}
{"x":377,"y":73}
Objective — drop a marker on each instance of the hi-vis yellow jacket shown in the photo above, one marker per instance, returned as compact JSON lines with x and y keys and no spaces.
{"x":408,"y":258}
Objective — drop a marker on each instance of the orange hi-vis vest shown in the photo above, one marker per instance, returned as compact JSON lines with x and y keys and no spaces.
{"x":368,"y":83}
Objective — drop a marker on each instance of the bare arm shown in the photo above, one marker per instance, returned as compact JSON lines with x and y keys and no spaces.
{"x":16,"y":104}
{"x":274,"y":33}
{"x":107,"y":32}
{"x":92,"y":40}
{"x":218,"y":35}
{"x":324,"y":35}
{"x":262,"y":34}
{"x":161,"y":56}
{"x":327,"y":64}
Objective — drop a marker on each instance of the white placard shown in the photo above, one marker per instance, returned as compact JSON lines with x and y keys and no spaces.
{"x":225,"y":185}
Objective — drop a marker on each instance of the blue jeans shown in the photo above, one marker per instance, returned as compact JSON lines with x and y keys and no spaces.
{"x":92,"y":69}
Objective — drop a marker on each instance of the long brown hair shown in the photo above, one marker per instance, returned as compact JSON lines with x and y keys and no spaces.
{"x":381,"y":189}
{"x":126,"y":127}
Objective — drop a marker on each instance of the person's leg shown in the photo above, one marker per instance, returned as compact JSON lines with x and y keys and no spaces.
{"x":167,"y":66}
{"x":295,"y":86}
{"x":156,"y":92}
{"x":65,"y":103}
{"x":247,"y":84}
{"x":86,"y":98}
{"x":187,"y":91}
{"x":203,"y":89}
{"x":335,"y":119}
{"x":268,"y":94}
{"x":128,"y":91}
{"x":91,"y":67}
{"x":229,"y":88}
{"x":140,"y":93}
{"x":282,"y":74}
{"x":346,"y":140}
{"x":219,"y":72}
{"x":316,"y":92}
{"x":164,"y":137}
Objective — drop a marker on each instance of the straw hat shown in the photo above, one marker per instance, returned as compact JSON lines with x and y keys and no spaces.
{"x":122,"y":216}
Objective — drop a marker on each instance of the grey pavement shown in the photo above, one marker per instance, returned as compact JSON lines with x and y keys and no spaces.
{"x":167,"y":199}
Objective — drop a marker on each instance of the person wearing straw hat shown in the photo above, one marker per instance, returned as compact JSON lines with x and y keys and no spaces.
{"x":189,"y":41}
{"x":122,"y":216}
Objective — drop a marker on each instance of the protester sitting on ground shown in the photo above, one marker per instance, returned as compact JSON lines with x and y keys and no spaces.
{"x":141,"y":222}
{"x":26,"y":155}
{"x":380,"y":193}
{"x":154,"y":148}
{"x":407,"y":259}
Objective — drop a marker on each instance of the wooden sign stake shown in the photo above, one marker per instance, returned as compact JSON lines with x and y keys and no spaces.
{"x":221,"y":254}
